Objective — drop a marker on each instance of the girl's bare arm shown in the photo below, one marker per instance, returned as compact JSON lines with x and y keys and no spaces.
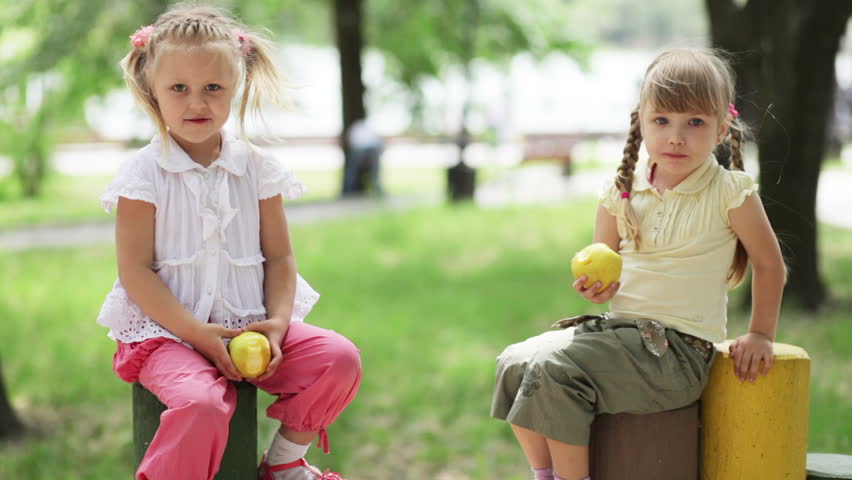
{"x":279,"y":278}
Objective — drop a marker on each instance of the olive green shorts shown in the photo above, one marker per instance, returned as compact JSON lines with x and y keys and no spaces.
{"x":555,"y":383}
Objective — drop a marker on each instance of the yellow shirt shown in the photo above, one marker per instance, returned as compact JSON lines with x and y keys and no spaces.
{"x":679,"y":275}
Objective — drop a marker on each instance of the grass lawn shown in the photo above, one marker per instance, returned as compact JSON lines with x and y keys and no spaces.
{"x":430,"y":296}
{"x":65,"y":199}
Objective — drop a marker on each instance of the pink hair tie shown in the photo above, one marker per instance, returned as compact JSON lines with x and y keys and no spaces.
{"x":141,"y":36}
{"x":244,"y":39}
{"x":625,"y":194}
{"x":733,"y":111}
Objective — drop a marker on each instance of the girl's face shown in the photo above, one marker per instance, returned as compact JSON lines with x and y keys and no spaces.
{"x":194,"y":89}
{"x":679,"y":142}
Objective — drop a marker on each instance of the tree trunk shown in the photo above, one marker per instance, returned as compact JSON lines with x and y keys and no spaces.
{"x":786,"y":95}
{"x":31,"y":174}
{"x":461,"y":178}
{"x":31,"y":163}
{"x":10,"y":426}
{"x":348,"y":21}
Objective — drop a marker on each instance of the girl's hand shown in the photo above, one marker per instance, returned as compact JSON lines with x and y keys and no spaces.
{"x":591,"y":294}
{"x":748,"y":351}
{"x":274,"y":330}
{"x":207,"y":340}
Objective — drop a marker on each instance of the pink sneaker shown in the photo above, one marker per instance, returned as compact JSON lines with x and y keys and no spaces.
{"x":298,"y":470}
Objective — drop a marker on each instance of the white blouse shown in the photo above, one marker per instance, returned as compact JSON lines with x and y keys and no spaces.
{"x":207,"y":234}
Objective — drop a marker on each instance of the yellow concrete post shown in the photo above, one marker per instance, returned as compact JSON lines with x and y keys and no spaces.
{"x":756,"y":430}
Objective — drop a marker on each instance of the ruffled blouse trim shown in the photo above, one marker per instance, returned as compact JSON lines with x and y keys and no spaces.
{"x":249,"y":261}
{"x":176,"y":262}
{"x":276,"y":179}
{"x":128,"y":323}
{"x":289,"y":188}
{"x":137,"y":190}
{"x":243,"y":312}
{"x":738,"y":199}
{"x":130,"y":182}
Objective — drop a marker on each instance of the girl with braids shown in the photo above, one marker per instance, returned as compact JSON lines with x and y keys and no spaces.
{"x":686,"y":227}
{"x":204,"y":254}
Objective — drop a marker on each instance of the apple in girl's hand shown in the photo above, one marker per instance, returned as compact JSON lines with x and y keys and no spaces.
{"x":598,"y":263}
{"x":250,"y":353}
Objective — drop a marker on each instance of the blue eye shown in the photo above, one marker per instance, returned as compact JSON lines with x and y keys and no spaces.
{"x":661,"y":120}
{"x":179,"y":87}
{"x":213,"y":87}
{"x":696,"y":122}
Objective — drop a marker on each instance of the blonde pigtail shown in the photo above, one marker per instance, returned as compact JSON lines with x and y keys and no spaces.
{"x":134,"y":66}
{"x":739,"y":266}
{"x":624,"y":179}
{"x":263,"y":82}
{"x":737,"y":146}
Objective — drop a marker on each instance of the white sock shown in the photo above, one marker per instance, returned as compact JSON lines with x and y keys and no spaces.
{"x":284,"y":451}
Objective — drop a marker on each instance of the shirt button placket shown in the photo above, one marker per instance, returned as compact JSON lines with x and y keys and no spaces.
{"x":212,"y":263}
{"x":659,"y":220}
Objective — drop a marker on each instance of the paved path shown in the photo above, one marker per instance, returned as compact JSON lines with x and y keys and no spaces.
{"x":533,"y":185}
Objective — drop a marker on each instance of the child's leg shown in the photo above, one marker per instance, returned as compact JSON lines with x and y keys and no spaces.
{"x":537,"y":452}
{"x":555,"y":386}
{"x":194,"y":429}
{"x":517,"y":381}
{"x":547,"y":456}
{"x":534,"y":446}
{"x":570,"y":462}
{"x":318,"y":377}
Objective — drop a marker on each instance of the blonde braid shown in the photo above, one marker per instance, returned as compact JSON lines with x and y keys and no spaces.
{"x":739,"y":266}
{"x":134,"y":67}
{"x":736,"y":147}
{"x":624,"y":179}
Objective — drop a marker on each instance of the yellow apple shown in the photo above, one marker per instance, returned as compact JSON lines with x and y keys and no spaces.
{"x":598,"y":263}
{"x":250,"y":353}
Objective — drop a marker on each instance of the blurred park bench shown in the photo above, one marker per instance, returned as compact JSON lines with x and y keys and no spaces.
{"x":559,"y":145}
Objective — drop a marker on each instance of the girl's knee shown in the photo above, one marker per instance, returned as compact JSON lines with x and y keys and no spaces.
{"x":344,"y":359}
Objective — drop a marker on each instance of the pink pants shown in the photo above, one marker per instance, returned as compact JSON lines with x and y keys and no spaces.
{"x":318,"y":377}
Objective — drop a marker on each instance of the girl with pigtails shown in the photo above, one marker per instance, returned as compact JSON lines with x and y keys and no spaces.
{"x":686,"y":224}
{"x":204,"y":254}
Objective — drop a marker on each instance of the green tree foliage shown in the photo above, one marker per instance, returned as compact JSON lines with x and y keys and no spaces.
{"x":62,"y":54}
{"x":289,"y":20}
{"x":421,"y":38}
{"x":58,"y":53}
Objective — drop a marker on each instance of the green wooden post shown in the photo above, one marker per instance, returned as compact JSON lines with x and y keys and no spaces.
{"x":240,"y":460}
